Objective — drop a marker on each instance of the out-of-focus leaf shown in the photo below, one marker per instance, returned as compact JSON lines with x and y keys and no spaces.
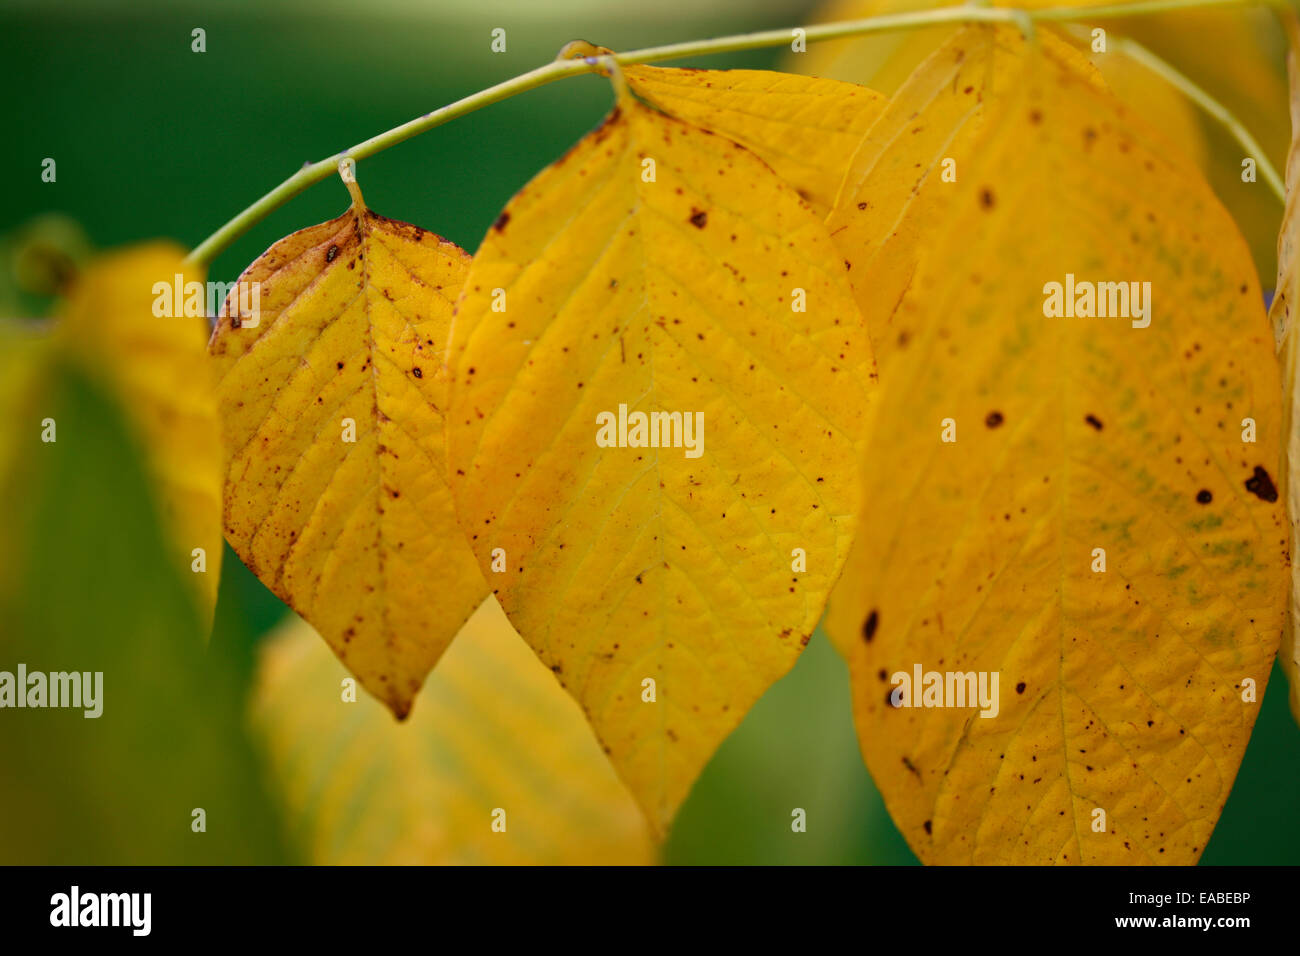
{"x":495,"y":738}
{"x":94,"y":587}
{"x":157,"y":367}
{"x":897,"y":190}
{"x":25,"y":362}
{"x":1234,"y":54}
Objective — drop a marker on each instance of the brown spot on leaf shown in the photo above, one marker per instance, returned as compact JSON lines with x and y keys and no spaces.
{"x":699,"y":218}
{"x":869,"y":626}
{"x":1261,"y":485}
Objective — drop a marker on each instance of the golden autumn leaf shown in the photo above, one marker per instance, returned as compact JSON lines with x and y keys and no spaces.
{"x":121,"y":326}
{"x":887,"y":60}
{"x":1284,"y":328}
{"x":1157,"y":101}
{"x":657,"y":269}
{"x":895,"y":190}
{"x":1077,"y":512}
{"x":882,"y":60}
{"x":803,"y":127}
{"x":494,"y":739}
{"x":1241,"y":68}
{"x":332,"y":405}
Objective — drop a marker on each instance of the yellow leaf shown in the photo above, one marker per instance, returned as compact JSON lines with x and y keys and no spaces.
{"x":1284,"y":328}
{"x":1236,"y":55}
{"x":1233,"y":54}
{"x":493,"y":732}
{"x":883,"y":60}
{"x":158,"y":367}
{"x":335,"y":494}
{"x":897,"y":185}
{"x":655,"y":269}
{"x":1157,"y":101}
{"x":803,"y":127}
{"x":1099,"y":536}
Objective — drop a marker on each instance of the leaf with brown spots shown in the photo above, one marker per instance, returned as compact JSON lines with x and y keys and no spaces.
{"x":894,"y":196}
{"x":1288,"y":338}
{"x":1241,"y":69}
{"x":360,"y":536}
{"x":1119,"y":689}
{"x":805,"y":128}
{"x":671,"y":295}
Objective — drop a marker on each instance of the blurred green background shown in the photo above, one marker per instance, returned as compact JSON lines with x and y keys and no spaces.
{"x":154,"y":140}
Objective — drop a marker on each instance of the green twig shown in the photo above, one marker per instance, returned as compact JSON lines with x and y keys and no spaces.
{"x":312,"y":173}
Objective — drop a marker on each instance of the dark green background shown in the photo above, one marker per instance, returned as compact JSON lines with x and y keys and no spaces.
{"x":154,"y":140}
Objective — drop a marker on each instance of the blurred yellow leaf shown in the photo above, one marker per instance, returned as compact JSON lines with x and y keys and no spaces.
{"x":157,"y":366}
{"x":1081,"y":509}
{"x":1158,"y":103}
{"x":89,"y":580}
{"x":24,"y":356}
{"x":1234,"y":54}
{"x":883,"y":60}
{"x":658,"y":269}
{"x":1284,"y":328}
{"x":898,"y":187}
{"x":494,"y":739}
{"x":803,"y":127}
{"x":335,"y":494}
{"x":25,"y":353}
